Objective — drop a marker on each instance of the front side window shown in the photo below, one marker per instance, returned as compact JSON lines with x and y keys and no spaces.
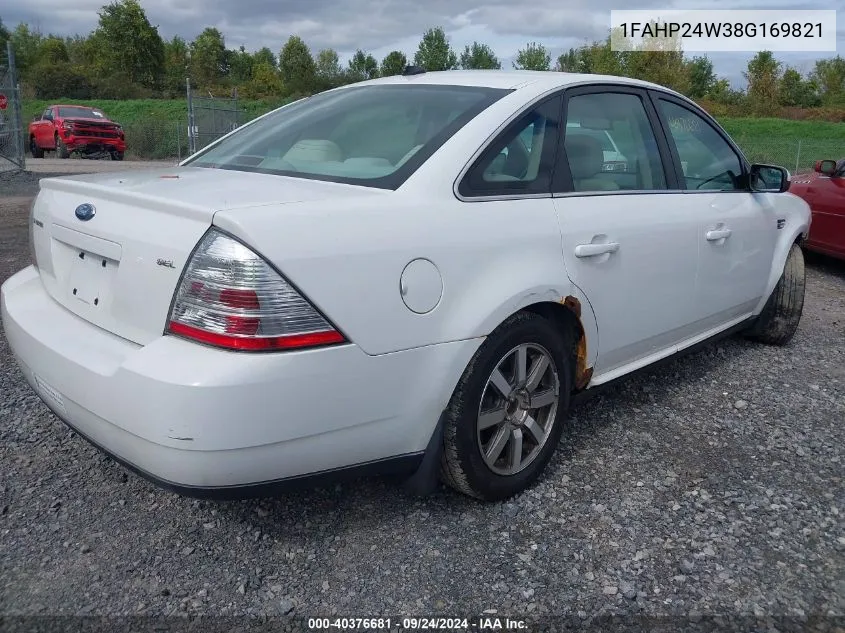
{"x":707,"y":160}
{"x":610,"y":144}
{"x":368,"y":135}
{"x":520,"y":161}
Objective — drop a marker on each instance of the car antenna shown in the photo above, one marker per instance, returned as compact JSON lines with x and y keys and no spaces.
{"x":413,"y":70}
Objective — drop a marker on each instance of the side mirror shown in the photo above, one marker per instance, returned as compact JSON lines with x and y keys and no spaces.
{"x":768,"y":178}
{"x":825,"y":167}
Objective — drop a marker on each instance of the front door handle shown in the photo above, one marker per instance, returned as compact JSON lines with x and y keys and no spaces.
{"x":717,"y":234}
{"x":591,"y":250}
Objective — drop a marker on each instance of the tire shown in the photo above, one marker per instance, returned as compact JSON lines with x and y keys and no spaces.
{"x":778,"y":321}
{"x":117,"y":155}
{"x":463,"y":466}
{"x":36,"y":151}
{"x":61,"y":149}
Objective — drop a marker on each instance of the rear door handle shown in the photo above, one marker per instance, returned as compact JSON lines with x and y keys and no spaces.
{"x":591,"y":250}
{"x":718,"y":234}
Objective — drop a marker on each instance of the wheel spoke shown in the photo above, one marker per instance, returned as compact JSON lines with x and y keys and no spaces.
{"x":516,"y":450}
{"x":538,"y":369}
{"x":498,"y":444}
{"x":501,"y":383}
{"x":542,"y":399}
{"x":534,"y":429}
{"x":491,"y":417}
{"x":521,"y":364}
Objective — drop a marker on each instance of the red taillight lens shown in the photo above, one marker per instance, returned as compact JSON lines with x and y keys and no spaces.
{"x":230,"y":297}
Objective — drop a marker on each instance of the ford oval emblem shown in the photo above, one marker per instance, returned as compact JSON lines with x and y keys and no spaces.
{"x":85,"y":212}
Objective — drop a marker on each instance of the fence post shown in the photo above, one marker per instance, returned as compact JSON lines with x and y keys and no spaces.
{"x":798,"y":156}
{"x":192,"y":142}
{"x":17,"y":116}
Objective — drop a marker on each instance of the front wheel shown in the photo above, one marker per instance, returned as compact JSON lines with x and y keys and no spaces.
{"x":778,"y":321}
{"x":506,"y":415}
{"x":36,"y":151}
{"x":117,"y":155}
{"x":61,"y":149}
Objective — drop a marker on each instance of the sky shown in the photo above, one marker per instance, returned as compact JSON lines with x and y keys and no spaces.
{"x":379,"y":26}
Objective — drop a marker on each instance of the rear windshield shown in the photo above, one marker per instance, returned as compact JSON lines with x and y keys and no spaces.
{"x":375,"y":135}
{"x":81,"y":113}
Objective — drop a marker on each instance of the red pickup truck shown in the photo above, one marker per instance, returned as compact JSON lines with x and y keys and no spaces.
{"x":74,"y":128}
{"x":824,"y":191}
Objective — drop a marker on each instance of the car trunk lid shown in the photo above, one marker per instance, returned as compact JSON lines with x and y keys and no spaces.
{"x":119,"y":268}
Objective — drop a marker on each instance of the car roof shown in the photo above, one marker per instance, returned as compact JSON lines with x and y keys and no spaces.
{"x":73,"y":105}
{"x":511,"y":80}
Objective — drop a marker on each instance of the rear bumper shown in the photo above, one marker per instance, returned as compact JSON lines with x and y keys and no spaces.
{"x":207,"y":422}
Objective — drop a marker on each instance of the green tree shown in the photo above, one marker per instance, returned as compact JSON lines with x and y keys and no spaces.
{"x":52,"y":50}
{"x":600,"y":58}
{"x":434,"y":52}
{"x":240,"y":64}
{"x":265,"y":82}
{"x":829,"y":76}
{"x":394,"y":63}
{"x":208,"y":61}
{"x":26,"y":44}
{"x":658,"y":61}
{"x":479,"y":56}
{"x":4,"y":37}
{"x":721,"y":92}
{"x":297,"y":66}
{"x":533,"y":57}
{"x":175,"y":66}
{"x":571,"y":61}
{"x":265,"y":56}
{"x":327,"y":69}
{"x":763,"y":76}
{"x":701,"y":76}
{"x":796,"y":91}
{"x":59,"y":81}
{"x":132,"y":46}
{"x":362,"y":66}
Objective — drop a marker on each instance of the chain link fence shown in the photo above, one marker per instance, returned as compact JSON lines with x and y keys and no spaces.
{"x":797,"y":156}
{"x":12,"y":133}
{"x":156,"y":140}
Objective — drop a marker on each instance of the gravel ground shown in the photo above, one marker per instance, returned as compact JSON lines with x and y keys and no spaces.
{"x":712,"y":485}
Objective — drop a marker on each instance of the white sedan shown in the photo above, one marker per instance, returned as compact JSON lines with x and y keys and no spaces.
{"x":412,"y":275}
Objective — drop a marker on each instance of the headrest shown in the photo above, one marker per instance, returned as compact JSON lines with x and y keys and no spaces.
{"x":585,"y":155}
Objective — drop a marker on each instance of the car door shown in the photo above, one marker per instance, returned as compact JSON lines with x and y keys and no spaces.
{"x":737,"y":229}
{"x":44,"y":131}
{"x":629,"y":243}
{"x":826,"y":197}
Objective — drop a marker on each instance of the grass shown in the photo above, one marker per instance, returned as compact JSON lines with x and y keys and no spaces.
{"x":157,"y":128}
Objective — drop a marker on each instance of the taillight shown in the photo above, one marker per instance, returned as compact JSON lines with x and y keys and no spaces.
{"x":231,"y":298}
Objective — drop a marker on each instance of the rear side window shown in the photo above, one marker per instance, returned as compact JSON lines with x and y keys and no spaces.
{"x":375,"y":135}
{"x":610,"y":144}
{"x":521,"y":159}
{"x":707,"y":160}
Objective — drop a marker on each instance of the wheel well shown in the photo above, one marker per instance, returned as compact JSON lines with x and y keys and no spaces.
{"x":567,"y":314}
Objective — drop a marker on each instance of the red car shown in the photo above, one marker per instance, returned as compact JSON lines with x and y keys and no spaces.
{"x":74,"y":128}
{"x":824,"y":191}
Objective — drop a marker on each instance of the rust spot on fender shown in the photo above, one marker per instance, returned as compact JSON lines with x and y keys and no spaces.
{"x":583,"y":374}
